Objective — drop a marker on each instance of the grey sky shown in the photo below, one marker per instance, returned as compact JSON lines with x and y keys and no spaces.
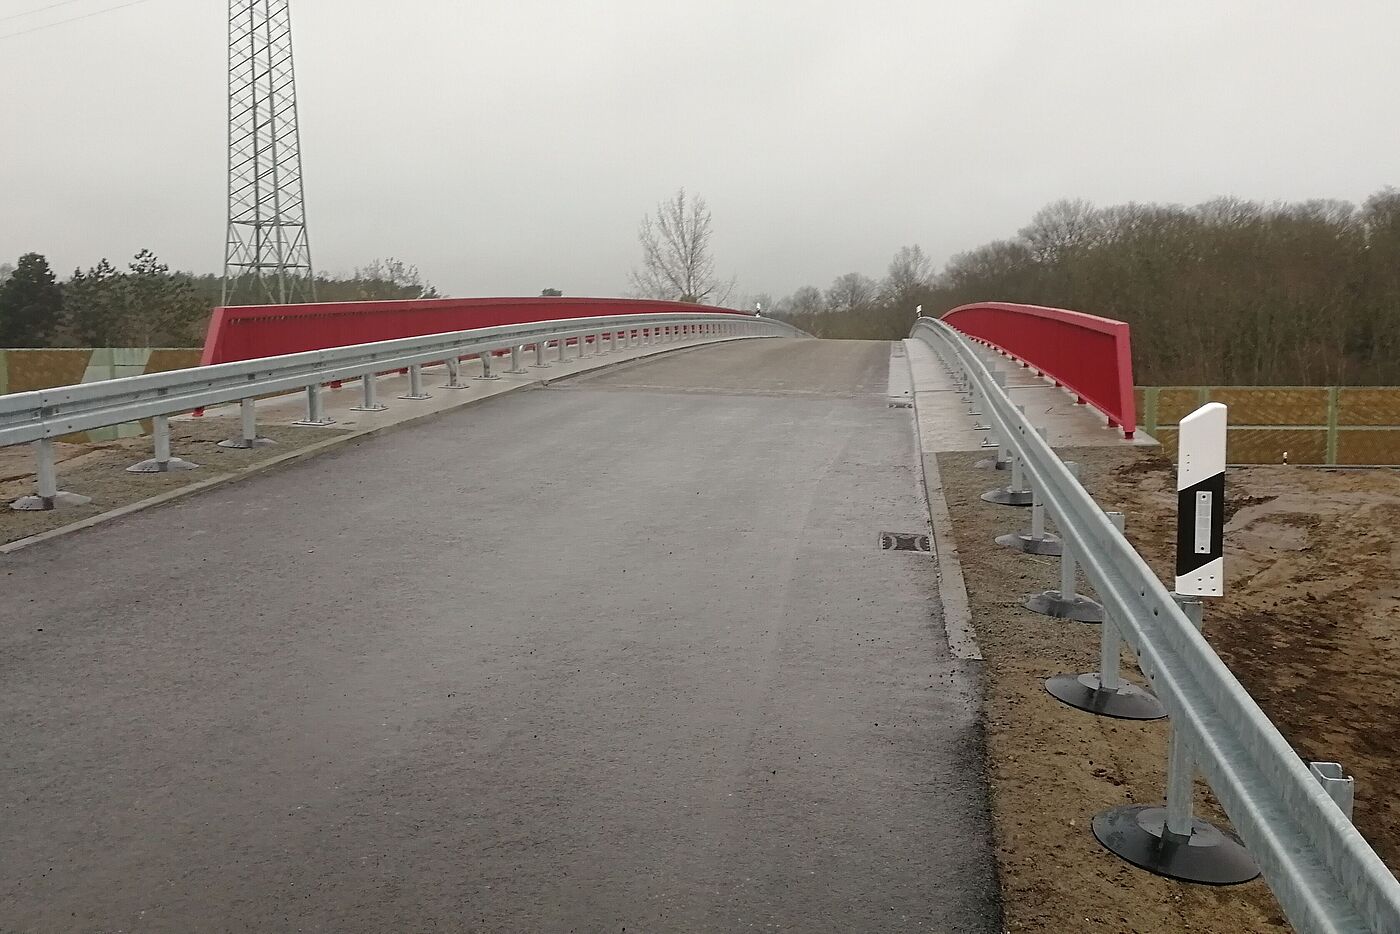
{"x":510,"y":145}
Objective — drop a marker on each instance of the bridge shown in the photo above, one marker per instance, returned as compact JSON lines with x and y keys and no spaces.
{"x":675,"y":642}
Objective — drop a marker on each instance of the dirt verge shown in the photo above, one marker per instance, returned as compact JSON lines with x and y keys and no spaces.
{"x":98,"y":470}
{"x":1314,"y":588}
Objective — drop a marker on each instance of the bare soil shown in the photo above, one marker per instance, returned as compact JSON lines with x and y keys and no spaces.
{"x":1314,"y":590}
{"x":99,"y":470}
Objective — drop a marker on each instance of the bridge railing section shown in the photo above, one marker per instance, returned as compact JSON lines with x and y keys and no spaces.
{"x":248,"y":332}
{"x":1323,"y":873}
{"x":1089,"y":355}
{"x":40,"y":416}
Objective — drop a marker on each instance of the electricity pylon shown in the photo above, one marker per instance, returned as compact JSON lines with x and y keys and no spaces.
{"x":267,"y":259}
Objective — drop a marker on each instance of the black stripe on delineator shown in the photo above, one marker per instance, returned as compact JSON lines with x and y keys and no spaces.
{"x":1187,"y":559}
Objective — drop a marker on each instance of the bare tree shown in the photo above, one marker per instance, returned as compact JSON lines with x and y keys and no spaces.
{"x":908,"y":279}
{"x":852,"y":292}
{"x":807,"y":300}
{"x":677,"y":262}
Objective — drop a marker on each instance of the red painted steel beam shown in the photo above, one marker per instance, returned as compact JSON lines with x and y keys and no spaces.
{"x":246,"y":332}
{"x":1088,"y":355}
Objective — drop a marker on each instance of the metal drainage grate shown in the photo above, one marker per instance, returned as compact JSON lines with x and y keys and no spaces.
{"x":904,"y":541}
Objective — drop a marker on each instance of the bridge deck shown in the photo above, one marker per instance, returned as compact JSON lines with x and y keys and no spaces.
{"x":623,"y":654}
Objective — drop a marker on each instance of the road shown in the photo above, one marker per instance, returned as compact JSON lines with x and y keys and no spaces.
{"x":622,"y":654}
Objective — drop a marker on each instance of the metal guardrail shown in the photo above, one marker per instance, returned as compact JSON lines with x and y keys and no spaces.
{"x":45,"y":414}
{"x":1325,"y":876}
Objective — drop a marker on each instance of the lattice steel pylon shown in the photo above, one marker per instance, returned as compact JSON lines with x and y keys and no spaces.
{"x":267,"y":259}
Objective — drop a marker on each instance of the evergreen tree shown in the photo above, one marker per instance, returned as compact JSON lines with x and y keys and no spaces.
{"x":31,"y":304}
{"x":92,"y":302}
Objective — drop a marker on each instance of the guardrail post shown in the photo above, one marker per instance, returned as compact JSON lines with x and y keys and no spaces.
{"x":1015,"y":493}
{"x":515,"y":367}
{"x":539,"y":363}
{"x":315,"y":412}
{"x":485,"y":357}
{"x":1066,"y":603}
{"x":249,"y":436}
{"x":47,"y":495}
{"x":1171,"y":841}
{"x":1103,"y":692}
{"x":563,"y":348}
{"x":162,"y":462}
{"x":415,"y":384}
{"x":454,"y":373}
{"x":1037,"y":541}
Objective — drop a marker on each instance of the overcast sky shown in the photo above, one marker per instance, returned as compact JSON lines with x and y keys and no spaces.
{"x":508,"y":145}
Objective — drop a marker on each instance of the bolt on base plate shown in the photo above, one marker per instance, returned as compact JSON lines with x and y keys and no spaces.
{"x":1080,"y":608}
{"x":1023,"y":542}
{"x":243,"y":444}
{"x":1209,"y":855}
{"x":1086,"y":692}
{"x":44,"y":503}
{"x":152,"y":465}
{"x":1004,"y":497}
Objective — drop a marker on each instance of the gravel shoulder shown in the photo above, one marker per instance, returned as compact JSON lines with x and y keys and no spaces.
{"x":1052,"y":767}
{"x":99,"y":470}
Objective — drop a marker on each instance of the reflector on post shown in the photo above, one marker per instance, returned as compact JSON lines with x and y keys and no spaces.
{"x":1200,"y":502}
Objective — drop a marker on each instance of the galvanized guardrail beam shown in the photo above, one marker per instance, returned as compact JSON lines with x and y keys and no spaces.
{"x":42,"y":415}
{"x":1321,"y":869}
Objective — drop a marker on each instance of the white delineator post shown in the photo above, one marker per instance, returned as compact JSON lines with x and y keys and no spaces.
{"x":1200,"y":502}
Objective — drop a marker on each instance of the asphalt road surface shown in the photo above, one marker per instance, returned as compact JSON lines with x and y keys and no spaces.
{"x":623,"y":654}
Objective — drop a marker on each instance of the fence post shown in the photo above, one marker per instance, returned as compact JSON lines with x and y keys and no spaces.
{"x":1332,"y":403}
{"x":1171,"y":841}
{"x":249,"y":436}
{"x":47,"y":494}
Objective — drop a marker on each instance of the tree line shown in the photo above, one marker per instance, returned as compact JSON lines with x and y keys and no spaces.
{"x":148,"y":305}
{"x":1226,"y":292}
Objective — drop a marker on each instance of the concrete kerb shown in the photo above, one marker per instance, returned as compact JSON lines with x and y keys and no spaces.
{"x":952,"y":588}
{"x":310,"y":450}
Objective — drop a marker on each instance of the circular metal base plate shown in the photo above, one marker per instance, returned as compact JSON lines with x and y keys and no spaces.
{"x":243,"y":444}
{"x":991,"y":463}
{"x":1022,"y":541}
{"x":1004,"y":497}
{"x":155,"y":466}
{"x":1208,"y":855}
{"x":44,"y":503}
{"x":1086,"y":692}
{"x":1080,"y":609}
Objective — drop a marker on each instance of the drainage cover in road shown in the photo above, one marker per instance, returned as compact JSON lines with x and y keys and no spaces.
{"x":904,"y":541}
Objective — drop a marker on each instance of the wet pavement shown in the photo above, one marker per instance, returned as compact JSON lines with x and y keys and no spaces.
{"x":622,"y":654}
